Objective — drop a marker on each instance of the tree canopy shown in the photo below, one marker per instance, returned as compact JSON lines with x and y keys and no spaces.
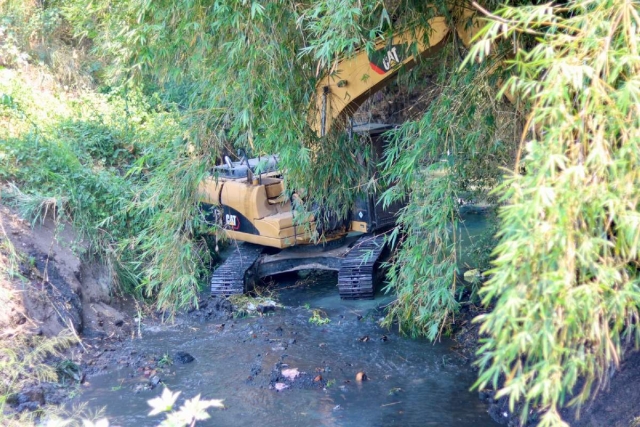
{"x":562,"y":164}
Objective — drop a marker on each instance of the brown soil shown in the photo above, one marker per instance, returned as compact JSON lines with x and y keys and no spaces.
{"x":619,"y":404}
{"x":56,"y":287}
{"x":53,"y":291}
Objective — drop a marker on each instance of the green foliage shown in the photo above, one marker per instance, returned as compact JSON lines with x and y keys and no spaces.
{"x":67,"y":368}
{"x":108,"y":176}
{"x":434,"y":164}
{"x":245,"y":79}
{"x":338,"y":28}
{"x":172,"y":259}
{"x":319,"y":317}
{"x":565,"y":280}
{"x":9,"y":261}
{"x":239,"y":83}
{"x":232,"y":75}
{"x":102,"y":162}
{"x":165,"y":360}
{"x":22,"y":361}
{"x":34,"y":32}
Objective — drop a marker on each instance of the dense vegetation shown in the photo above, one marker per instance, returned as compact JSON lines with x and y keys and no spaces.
{"x":140,"y":81}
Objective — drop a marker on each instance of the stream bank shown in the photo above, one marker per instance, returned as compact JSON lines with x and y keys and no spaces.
{"x":46,"y":292}
{"x":246,"y":357}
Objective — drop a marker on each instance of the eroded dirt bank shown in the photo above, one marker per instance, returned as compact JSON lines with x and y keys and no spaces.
{"x":56,"y":287}
{"x":51,"y":291}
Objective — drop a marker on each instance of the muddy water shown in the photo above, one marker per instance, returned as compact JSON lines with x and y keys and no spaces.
{"x":410,"y":382}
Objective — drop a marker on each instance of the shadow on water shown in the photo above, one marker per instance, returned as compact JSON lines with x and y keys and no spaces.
{"x":410,"y":382}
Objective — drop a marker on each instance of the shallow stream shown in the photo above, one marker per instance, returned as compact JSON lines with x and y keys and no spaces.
{"x":410,"y":382}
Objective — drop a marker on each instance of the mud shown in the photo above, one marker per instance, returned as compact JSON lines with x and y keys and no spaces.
{"x":56,"y":286}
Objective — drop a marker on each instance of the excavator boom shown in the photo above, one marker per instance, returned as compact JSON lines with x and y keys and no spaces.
{"x":354,"y":79}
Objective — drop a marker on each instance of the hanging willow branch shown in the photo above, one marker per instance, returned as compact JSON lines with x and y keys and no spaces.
{"x":565,"y":280}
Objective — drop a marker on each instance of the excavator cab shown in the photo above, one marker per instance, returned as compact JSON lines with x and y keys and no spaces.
{"x":368,"y":215}
{"x":247,"y":199}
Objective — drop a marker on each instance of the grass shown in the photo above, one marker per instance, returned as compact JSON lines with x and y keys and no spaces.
{"x":9,"y":258}
{"x":245,"y":305}
{"x":165,"y":360}
{"x":118,"y":387}
{"x":81,"y":158}
{"x":23,"y":362}
{"x":101,"y":162}
{"x":319,"y":317}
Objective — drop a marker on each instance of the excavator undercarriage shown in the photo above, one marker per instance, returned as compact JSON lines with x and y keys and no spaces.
{"x":356,"y":262}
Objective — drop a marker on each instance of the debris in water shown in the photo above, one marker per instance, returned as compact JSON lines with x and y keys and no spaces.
{"x":280,"y":386}
{"x":183,"y":357}
{"x":266,"y":307}
{"x":155,"y":380}
{"x":290,"y":374}
{"x":394,"y":391}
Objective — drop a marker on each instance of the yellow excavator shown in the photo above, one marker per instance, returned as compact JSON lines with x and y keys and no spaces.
{"x":247,"y":197}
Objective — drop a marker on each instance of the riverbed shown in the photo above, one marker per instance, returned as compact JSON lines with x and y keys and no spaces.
{"x":351,"y":371}
{"x":408,"y":382}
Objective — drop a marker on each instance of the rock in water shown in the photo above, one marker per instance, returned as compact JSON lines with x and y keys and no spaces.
{"x":280,"y":386}
{"x":290,"y":374}
{"x":183,"y":357}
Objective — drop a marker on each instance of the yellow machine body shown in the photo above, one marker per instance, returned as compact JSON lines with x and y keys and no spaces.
{"x":256,"y":211}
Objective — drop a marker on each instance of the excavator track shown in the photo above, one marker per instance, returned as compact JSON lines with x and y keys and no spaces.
{"x":356,"y":274}
{"x":230,"y":277}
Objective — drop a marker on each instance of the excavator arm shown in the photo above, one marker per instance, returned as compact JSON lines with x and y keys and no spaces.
{"x":355,"y":78}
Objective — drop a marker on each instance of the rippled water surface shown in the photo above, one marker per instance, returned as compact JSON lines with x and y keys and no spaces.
{"x":411,"y":382}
